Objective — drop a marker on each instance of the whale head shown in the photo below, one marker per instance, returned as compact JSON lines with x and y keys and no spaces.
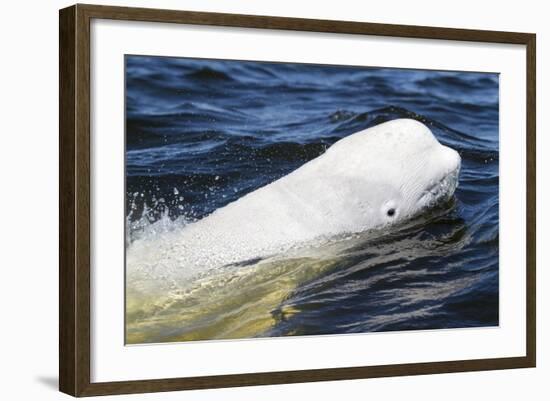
{"x":399,"y":169}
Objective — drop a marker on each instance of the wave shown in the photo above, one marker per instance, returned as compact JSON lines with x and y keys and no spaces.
{"x":208,"y":74}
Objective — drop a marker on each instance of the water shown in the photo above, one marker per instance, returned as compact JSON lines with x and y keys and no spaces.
{"x":203,"y":133}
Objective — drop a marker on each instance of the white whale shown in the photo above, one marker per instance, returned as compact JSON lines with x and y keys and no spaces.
{"x":376,"y":177}
{"x":188,"y":284}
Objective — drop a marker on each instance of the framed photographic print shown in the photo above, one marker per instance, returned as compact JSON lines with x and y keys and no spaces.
{"x":251,"y":200}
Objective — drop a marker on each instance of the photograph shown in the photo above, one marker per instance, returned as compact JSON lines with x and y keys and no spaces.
{"x":275,"y":199}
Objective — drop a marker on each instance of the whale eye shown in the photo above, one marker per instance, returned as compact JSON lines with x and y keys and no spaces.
{"x":391,"y":212}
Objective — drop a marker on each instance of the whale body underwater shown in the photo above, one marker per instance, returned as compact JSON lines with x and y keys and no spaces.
{"x":377,"y":177}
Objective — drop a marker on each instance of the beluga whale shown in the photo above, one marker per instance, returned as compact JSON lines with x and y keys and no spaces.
{"x":378,"y":177}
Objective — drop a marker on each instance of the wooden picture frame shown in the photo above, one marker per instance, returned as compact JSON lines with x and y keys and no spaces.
{"x":74,"y":203}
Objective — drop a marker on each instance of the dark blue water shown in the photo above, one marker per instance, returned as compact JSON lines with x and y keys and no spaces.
{"x":203,"y":133}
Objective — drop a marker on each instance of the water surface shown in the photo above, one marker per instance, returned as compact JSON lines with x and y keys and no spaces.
{"x":203,"y":133}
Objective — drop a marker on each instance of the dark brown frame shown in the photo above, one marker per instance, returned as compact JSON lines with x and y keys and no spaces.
{"x":74,"y":199}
